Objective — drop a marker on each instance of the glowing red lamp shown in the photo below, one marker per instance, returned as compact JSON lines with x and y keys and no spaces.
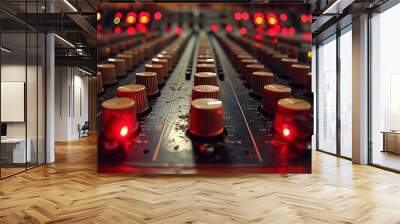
{"x":157,"y":15}
{"x":258,"y":19}
{"x":245,"y":16}
{"x":117,"y":30}
{"x":144,"y":17}
{"x":130,"y":18}
{"x":118,"y":15}
{"x":228,"y":28}
{"x":178,"y":30}
{"x":243,"y":30}
{"x":283,"y":17}
{"x":214,"y":27}
{"x":237,"y":16}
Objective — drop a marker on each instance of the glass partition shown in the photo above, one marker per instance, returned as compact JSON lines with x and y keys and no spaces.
{"x":22,"y":89}
{"x":326,"y":96}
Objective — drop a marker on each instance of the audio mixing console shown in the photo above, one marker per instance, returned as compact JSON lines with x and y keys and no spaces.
{"x":228,"y":129}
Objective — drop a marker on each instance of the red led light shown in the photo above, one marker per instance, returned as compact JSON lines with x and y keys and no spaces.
{"x":178,"y":30}
{"x":243,"y":30}
{"x":141,"y":28}
{"x":131,"y":31}
{"x":157,"y":15}
{"x":258,"y":18}
{"x":130,"y":18}
{"x":286,"y":132}
{"x":303,"y":18}
{"x":99,"y":27}
{"x":291,"y":31}
{"x":117,"y":30}
{"x":118,"y":15}
{"x":283,"y":17}
{"x":245,"y":16}
{"x":124,"y":131}
{"x":309,"y":18}
{"x":228,"y":28}
{"x":144,"y":17}
{"x":214,"y":27}
{"x":237,"y":16}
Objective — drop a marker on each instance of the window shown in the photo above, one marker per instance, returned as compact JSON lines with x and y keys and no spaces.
{"x":346,"y":92}
{"x":385,"y":89}
{"x":327,"y":96}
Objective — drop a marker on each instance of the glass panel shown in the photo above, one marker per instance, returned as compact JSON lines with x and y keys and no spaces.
{"x":327,"y":96}
{"x":385,"y":84}
{"x":346,"y":94}
{"x":13,"y":86}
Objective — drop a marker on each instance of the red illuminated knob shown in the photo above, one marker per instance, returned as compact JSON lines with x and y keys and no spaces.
{"x":308,"y":87}
{"x":119,"y":118}
{"x":135,"y":56}
{"x":149,"y":80}
{"x":137,"y":93}
{"x":250,"y":69}
{"x":164,"y":63}
{"x":120,"y":67}
{"x":206,"y":117}
{"x":128,"y":60}
{"x":205,"y":91}
{"x":272,"y":94}
{"x":285,"y":65}
{"x":205,"y":78}
{"x":158,"y":69}
{"x":108,"y":73}
{"x":298,"y":74}
{"x":205,"y":68}
{"x":259,"y":80}
{"x":292,"y":120}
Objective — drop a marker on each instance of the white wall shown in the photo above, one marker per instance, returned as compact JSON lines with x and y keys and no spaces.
{"x":71,"y":102}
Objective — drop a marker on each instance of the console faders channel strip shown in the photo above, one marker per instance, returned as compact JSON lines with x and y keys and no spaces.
{"x":205,"y":103}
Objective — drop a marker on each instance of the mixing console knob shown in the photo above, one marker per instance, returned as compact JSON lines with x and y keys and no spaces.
{"x":119,"y":118}
{"x":205,"y":56}
{"x":135,"y":56}
{"x":168,"y":58}
{"x":298,"y":74}
{"x":149,"y":80}
{"x":172,"y":54}
{"x":164,"y":63}
{"x":292,"y":119}
{"x":276,"y":60}
{"x":285,"y":65}
{"x":206,"y":61}
{"x":205,"y":78}
{"x":158,"y":69}
{"x":243,"y":63}
{"x":205,"y":68}
{"x":135,"y":92}
{"x":128,"y":60}
{"x":259,"y":80}
{"x":205,"y":91}
{"x":206,"y":117}
{"x":108,"y":73}
{"x":119,"y":66}
{"x":252,"y":68}
{"x":272,"y":94}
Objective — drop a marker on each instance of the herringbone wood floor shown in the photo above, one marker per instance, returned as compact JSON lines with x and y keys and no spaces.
{"x":71,"y":191}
